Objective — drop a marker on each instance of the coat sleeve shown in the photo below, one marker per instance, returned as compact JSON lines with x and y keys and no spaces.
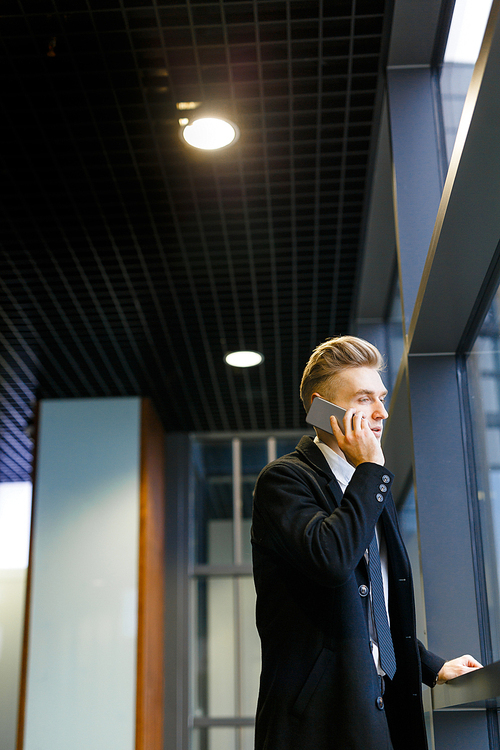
{"x":290,"y":518}
{"x":431,"y":664}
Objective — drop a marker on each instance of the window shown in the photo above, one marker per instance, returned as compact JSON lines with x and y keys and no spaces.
{"x":225,"y":647}
{"x":483,"y":370}
{"x":464,"y":42}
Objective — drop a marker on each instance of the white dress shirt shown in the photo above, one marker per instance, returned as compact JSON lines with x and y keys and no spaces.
{"x":343,"y":471}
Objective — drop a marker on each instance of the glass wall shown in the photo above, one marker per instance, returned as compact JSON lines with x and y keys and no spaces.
{"x":483,"y":369}
{"x":447,"y":247}
{"x":225,"y":647}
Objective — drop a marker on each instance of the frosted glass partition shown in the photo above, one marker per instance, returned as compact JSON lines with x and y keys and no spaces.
{"x":82,"y":645}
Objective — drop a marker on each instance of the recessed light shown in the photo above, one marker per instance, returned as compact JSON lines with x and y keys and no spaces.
{"x":244,"y":359}
{"x":210,"y":133}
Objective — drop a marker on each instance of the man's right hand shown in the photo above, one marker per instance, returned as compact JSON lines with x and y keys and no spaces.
{"x":358,"y":443}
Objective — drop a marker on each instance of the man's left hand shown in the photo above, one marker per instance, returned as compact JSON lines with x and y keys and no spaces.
{"x":456,"y":667}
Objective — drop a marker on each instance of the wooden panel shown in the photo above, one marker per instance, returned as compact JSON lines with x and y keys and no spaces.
{"x":150,"y":661}
{"x":24,"y":659}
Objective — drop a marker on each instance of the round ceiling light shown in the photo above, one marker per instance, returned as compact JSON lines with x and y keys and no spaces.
{"x":210,"y":133}
{"x":244,"y":359}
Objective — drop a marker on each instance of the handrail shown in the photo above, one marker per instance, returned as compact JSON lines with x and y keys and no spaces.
{"x":475,"y":688}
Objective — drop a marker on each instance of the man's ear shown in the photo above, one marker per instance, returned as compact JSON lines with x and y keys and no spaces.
{"x":314,"y":396}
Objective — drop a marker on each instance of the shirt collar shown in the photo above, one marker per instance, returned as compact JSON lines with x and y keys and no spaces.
{"x":341,"y":469}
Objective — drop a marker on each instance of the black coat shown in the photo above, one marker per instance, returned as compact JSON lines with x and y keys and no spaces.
{"x":319,"y":687}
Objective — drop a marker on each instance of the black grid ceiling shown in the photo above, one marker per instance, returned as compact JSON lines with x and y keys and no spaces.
{"x":130,"y":264}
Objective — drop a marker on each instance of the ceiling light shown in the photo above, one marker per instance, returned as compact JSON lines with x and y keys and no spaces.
{"x":210,"y":132}
{"x":244,"y":359}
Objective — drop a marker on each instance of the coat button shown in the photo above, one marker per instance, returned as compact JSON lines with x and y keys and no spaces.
{"x":380,"y":498}
{"x":386,"y":478}
{"x":382,"y":488}
{"x":380,"y":702}
{"x":363,"y":590}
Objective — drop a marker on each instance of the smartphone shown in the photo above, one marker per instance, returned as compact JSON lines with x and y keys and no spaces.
{"x":320,"y":412}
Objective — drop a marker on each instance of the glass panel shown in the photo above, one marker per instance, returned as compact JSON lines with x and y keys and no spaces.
{"x":464,"y":42}
{"x":214,"y":648}
{"x":213,"y":503}
{"x":287,"y":445}
{"x":214,"y":738}
{"x":253,"y":459}
{"x":247,"y":738}
{"x":483,"y":367}
{"x":250,"y":648}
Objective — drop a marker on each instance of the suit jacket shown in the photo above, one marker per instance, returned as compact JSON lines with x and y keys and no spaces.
{"x":319,"y":687}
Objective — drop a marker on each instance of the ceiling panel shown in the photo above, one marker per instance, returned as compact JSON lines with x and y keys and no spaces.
{"x":130,"y":263}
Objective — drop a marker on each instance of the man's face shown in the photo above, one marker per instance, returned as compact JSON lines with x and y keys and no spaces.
{"x":361,"y":388}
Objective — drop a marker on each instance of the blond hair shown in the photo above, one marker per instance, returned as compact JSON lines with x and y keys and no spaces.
{"x":330,"y":358}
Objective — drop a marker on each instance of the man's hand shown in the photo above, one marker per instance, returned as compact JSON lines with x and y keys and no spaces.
{"x":456,"y":667}
{"x":359,"y":443}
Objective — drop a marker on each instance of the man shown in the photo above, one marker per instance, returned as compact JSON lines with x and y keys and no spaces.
{"x":334,"y":676}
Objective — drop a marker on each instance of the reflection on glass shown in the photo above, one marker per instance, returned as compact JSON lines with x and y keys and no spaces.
{"x":212,"y":463}
{"x":483,"y":369}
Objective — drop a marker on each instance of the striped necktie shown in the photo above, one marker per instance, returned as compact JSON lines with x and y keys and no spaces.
{"x":385,"y":645}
